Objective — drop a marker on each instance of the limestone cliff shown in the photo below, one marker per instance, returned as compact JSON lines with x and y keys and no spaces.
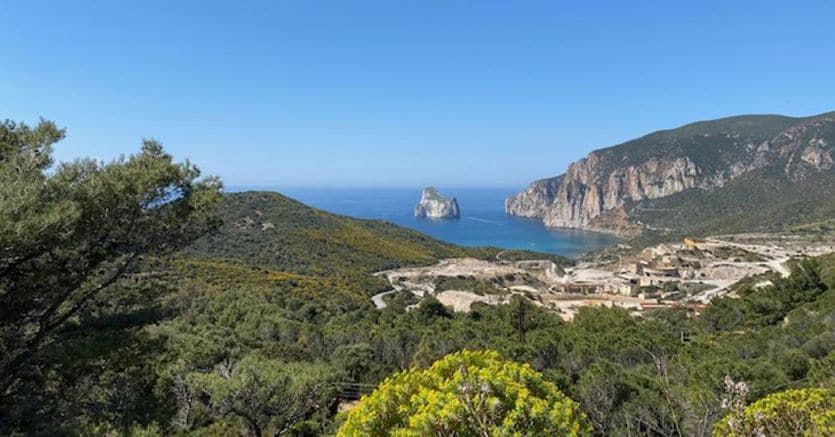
{"x":433,"y":205}
{"x":601,"y":190}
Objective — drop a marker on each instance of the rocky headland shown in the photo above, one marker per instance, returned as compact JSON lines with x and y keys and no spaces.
{"x":610,"y":188}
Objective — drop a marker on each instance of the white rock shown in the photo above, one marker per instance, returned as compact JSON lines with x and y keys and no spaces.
{"x":433,"y":205}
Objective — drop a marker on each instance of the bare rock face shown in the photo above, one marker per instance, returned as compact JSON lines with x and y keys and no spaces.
{"x":535,"y":200}
{"x":433,"y":205}
{"x":596,"y":191}
{"x":580,"y":197}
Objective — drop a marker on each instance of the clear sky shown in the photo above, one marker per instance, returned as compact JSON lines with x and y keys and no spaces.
{"x":402,"y":93}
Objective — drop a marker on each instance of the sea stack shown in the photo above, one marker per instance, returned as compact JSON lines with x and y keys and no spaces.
{"x":435,"y":206}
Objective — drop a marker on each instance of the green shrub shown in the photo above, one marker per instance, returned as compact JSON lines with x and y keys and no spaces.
{"x":467,"y":393}
{"x":800,"y":412}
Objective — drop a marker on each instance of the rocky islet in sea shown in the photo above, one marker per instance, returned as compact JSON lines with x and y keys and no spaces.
{"x":435,"y":206}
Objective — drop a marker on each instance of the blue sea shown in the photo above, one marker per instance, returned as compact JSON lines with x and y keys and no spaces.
{"x":483,"y":221}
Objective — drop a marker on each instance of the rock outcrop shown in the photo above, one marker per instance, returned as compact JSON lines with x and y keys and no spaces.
{"x":580,"y":197}
{"x":598,"y":191}
{"x":433,"y":205}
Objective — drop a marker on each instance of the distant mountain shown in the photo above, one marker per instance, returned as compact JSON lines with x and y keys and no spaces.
{"x":745,"y":173}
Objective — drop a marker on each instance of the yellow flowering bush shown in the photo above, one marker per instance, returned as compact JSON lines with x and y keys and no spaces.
{"x":800,"y":412}
{"x":467,"y":393}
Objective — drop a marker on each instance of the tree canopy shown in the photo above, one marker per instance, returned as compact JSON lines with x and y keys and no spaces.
{"x":69,"y":233}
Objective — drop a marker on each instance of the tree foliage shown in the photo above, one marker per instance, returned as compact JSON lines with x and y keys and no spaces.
{"x":797,"y":412}
{"x":68,"y":234}
{"x":263,"y":394}
{"x":467,"y":393}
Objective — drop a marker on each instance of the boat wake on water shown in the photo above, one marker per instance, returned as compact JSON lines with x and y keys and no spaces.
{"x":484,"y":220}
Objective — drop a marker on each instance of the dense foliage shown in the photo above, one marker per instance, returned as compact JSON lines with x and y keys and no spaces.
{"x":69,"y":233}
{"x":265,"y":326}
{"x":466,"y":393}
{"x":629,"y":375}
{"x":807,"y":412}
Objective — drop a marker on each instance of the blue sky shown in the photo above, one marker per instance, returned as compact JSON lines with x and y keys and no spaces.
{"x":402,"y":93}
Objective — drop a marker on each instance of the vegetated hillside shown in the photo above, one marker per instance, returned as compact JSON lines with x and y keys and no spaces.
{"x":270,"y":231}
{"x":713,"y":145}
{"x":629,"y":375}
{"x":827,"y":263}
{"x":226,"y":347}
{"x":759,"y":202}
{"x":728,"y":175}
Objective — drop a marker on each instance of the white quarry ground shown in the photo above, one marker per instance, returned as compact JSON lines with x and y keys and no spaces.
{"x":461,"y":300}
{"x":544,"y":289}
{"x":418,"y":280}
{"x":767,"y":247}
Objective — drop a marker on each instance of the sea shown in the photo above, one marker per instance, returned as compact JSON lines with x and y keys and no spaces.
{"x":483,"y":221}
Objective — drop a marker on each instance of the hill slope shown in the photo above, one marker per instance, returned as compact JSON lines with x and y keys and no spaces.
{"x":732,"y":174}
{"x":268,"y":231}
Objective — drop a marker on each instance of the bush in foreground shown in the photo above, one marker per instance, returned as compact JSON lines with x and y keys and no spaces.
{"x":800,"y":412}
{"x":467,"y":393}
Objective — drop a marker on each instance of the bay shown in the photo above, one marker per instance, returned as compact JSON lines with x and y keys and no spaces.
{"x":483,"y":221}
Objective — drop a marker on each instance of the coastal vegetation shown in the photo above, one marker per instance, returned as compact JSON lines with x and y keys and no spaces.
{"x":138,"y":300}
{"x":467,"y":392}
{"x":791,"y":412}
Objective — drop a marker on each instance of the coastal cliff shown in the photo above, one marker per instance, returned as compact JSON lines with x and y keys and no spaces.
{"x":433,"y":205}
{"x":580,"y":197}
{"x":604,"y":190}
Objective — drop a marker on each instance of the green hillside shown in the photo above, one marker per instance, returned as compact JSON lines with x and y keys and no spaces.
{"x":788,"y":190}
{"x":759,"y":202}
{"x":711,"y":144}
{"x":271,"y":232}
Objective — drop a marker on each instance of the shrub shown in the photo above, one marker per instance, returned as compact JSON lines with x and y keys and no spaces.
{"x":467,"y":393}
{"x":806,"y":412}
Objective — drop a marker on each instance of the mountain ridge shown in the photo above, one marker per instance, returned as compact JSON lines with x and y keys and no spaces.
{"x":602,"y":190}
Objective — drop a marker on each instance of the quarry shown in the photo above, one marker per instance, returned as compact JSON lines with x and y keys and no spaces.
{"x":686,"y":274}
